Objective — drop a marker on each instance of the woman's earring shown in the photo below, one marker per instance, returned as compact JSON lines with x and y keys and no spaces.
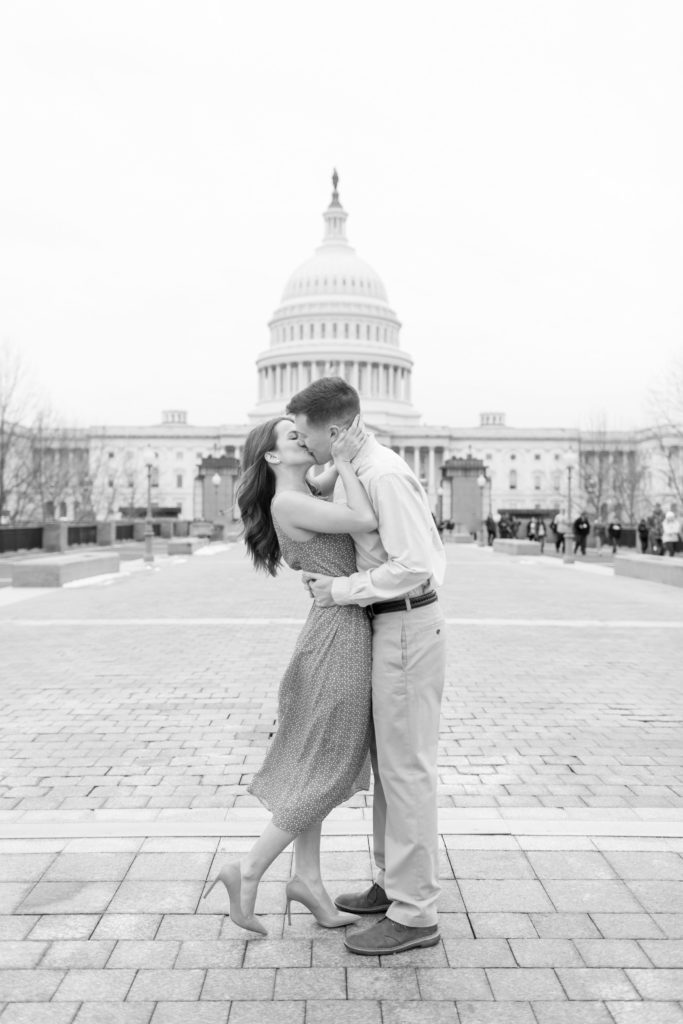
{"x":272,"y":458}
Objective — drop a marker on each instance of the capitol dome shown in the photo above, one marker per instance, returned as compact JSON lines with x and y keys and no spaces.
{"x":334,"y":319}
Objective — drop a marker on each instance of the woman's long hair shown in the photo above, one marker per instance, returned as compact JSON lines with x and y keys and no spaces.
{"x":255,"y":492}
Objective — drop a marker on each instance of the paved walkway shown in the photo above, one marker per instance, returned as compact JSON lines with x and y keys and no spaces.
{"x":135,"y":710}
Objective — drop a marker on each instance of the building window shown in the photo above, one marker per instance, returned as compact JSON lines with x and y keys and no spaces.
{"x":346,"y":330}
{"x":537,"y":457}
{"x":376,"y":333}
{"x":557,"y":480}
{"x":557,"y":458}
{"x":513,"y":479}
{"x":179,"y":455}
{"x":322,"y":330}
{"x":301,"y":330}
{"x":110,"y":481}
{"x":312,"y":331}
{"x":155,"y":476}
{"x":291,"y":333}
{"x":358,"y":330}
{"x":513,"y":457}
{"x":334,"y":330}
{"x":537,"y":481}
{"x":179,"y":480}
{"x":367,"y":331}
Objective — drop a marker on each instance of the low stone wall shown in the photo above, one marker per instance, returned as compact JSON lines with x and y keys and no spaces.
{"x":655,"y":568}
{"x":512,"y":546}
{"x":56,"y":570}
{"x":185,"y":545}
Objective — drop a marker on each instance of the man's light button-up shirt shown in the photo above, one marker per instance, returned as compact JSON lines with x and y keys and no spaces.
{"x":406,"y":550}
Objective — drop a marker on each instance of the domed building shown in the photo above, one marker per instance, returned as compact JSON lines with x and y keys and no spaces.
{"x":334,"y":319}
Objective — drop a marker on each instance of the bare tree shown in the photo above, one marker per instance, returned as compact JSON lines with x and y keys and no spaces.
{"x":16,"y":410}
{"x":630,"y":475}
{"x":666,"y":413}
{"x":44,"y":466}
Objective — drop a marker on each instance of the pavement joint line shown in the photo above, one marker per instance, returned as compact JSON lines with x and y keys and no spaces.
{"x":253,"y":826}
{"x":286,"y":621}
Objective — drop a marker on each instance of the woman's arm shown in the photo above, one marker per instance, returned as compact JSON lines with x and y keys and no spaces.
{"x":308,"y":513}
{"x":324,"y":482}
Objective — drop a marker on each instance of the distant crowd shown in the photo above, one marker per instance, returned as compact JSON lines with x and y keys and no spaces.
{"x":659,"y":533}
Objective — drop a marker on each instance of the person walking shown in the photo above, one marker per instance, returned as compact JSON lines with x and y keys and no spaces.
{"x":671,"y":532}
{"x":541,"y":533}
{"x":319,"y":755}
{"x":491,"y":528}
{"x":643,"y":535}
{"x":581,"y":530}
{"x":614,"y":533}
{"x":560,"y":525}
{"x":656,"y":524}
{"x":531,"y":529}
{"x":398,"y":568}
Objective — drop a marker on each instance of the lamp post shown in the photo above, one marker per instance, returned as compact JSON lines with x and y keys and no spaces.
{"x":216,"y":481}
{"x":481,"y":484}
{"x":149,"y":456}
{"x":440,"y":493}
{"x":571,"y":462}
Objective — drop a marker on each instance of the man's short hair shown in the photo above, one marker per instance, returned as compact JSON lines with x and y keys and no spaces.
{"x":327,"y":400}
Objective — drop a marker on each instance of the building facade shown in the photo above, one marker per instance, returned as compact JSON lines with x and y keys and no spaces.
{"x":334,"y":318}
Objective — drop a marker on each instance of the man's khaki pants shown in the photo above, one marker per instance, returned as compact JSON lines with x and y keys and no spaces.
{"x":408,"y":672}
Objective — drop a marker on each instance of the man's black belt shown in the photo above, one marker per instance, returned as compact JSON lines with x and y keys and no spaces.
{"x":402,"y":605}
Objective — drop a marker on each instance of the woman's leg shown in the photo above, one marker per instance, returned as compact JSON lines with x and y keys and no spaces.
{"x":307,"y":856}
{"x":254,"y":864}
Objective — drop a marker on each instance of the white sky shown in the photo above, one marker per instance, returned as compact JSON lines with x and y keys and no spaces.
{"x":512,"y":170}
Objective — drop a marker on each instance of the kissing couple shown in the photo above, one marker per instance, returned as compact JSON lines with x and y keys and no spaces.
{"x":365,"y":681}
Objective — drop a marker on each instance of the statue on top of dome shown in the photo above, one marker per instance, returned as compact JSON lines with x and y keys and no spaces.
{"x":335,"y":178}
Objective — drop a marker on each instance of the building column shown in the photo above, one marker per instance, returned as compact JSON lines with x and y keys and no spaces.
{"x":431,"y":475}
{"x":416,"y":461}
{"x":402,"y":452}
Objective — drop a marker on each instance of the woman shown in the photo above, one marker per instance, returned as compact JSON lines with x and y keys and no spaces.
{"x":671,"y":530}
{"x":319,"y":756}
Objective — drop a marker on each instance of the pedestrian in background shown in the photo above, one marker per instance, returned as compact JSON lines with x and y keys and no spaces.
{"x":643,"y":535}
{"x":600,"y":531}
{"x":614,"y":532}
{"x":671,"y":532}
{"x":541,"y":533}
{"x":581,"y":530}
{"x":560,"y":526}
{"x":531,"y":529}
{"x":656,"y":524}
{"x":491,"y":528}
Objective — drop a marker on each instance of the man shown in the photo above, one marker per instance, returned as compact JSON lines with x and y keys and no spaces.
{"x":397,"y":568}
{"x":581,"y":530}
{"x":560,"y":525}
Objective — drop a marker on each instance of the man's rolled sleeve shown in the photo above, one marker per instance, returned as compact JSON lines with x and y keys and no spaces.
{"x":405,"y":532}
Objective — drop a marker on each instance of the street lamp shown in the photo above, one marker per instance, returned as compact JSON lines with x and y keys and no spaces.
{"x":571,"y":461}
{"x":216,"y":481}
{"x":481,"y":484}
{"x":149,"y":456}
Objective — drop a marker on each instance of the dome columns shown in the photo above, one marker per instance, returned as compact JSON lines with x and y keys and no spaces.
{"x":372,"y":378}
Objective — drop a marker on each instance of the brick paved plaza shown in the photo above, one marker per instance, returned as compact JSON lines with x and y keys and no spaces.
{"x":135,"y":710}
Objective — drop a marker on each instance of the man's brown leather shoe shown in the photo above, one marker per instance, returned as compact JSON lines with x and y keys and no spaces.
{"x":373,"y":901}
{"x":389,"y":936}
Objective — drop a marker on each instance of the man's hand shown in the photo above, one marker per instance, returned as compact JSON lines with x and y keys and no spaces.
{"x":321,"y":589}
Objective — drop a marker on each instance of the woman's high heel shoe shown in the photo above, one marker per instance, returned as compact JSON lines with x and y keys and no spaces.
{"x":231,"y":877}
{"x":297,"y":890}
